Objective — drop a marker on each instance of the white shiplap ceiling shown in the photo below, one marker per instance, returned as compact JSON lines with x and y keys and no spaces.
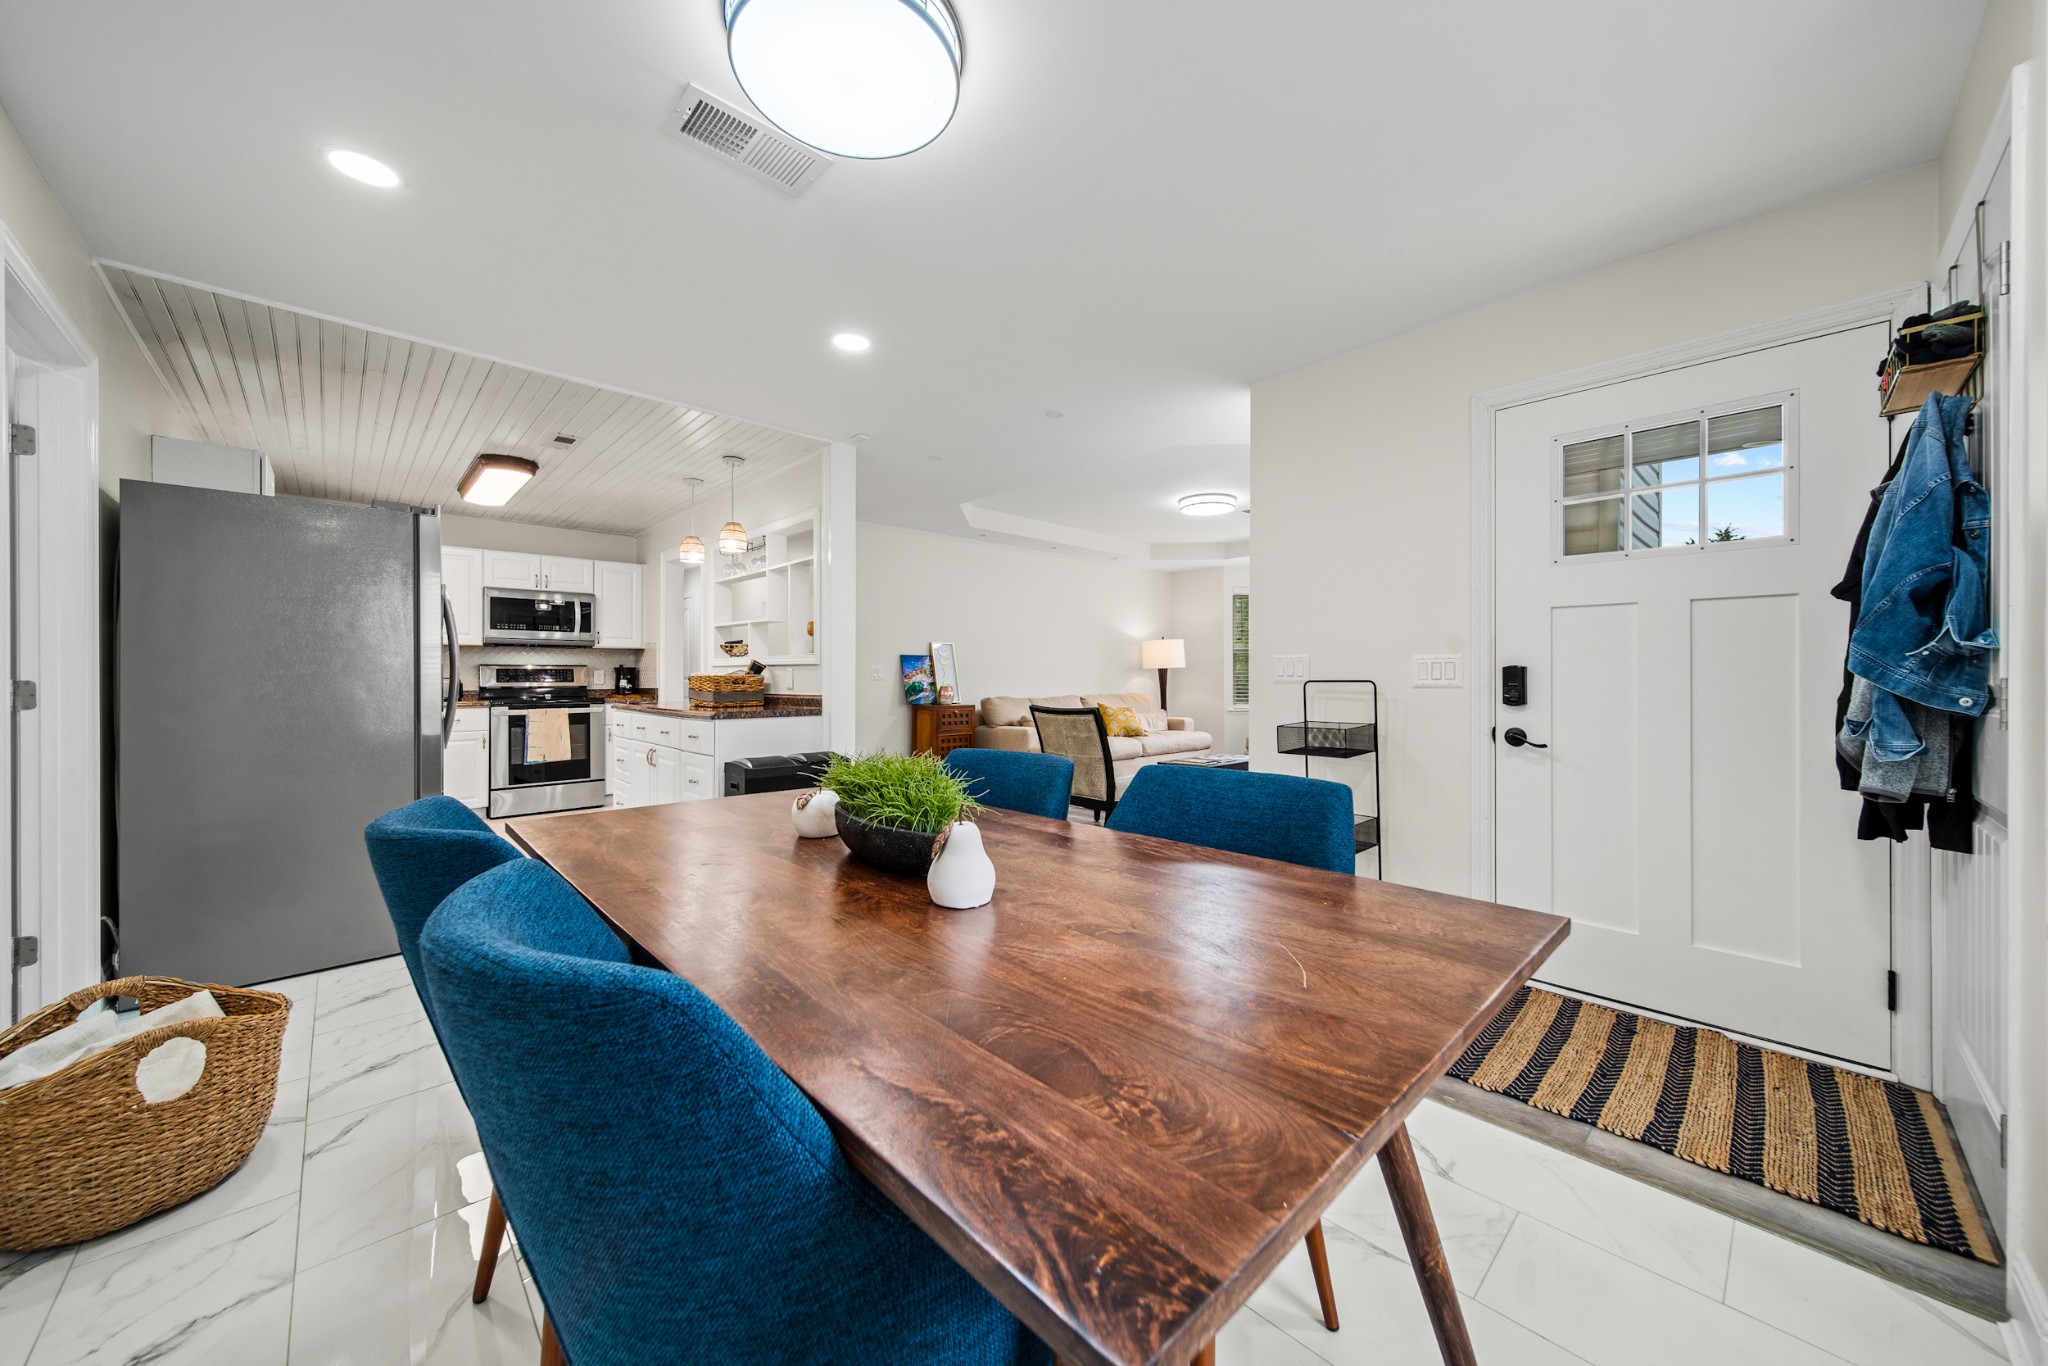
{"x":346,"y":412}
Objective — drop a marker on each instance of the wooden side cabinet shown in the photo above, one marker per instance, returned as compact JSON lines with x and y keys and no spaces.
{"x":941,"y":728}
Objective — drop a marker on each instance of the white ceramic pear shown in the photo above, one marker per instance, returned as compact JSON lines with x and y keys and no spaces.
{"x":812,"y":814}
{"x":961,"y":875}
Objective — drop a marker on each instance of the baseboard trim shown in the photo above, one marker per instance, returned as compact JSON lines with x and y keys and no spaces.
{"x":2026,"y":1332}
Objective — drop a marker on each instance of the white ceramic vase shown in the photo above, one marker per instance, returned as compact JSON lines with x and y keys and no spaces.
{"x":811,"y":813}
{"x":961,"y":875}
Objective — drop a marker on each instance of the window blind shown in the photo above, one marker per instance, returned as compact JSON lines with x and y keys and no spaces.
{"x":1240,"y":649}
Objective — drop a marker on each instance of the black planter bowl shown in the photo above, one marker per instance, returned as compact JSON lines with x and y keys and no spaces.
{"x":880,"y":846}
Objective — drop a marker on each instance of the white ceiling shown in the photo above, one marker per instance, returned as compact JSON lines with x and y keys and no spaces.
{"x":358,"y":415}
{"x":1140,"y":208}
{"x":1128,"y":508}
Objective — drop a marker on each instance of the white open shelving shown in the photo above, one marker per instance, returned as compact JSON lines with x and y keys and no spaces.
{"x":768,"y":596}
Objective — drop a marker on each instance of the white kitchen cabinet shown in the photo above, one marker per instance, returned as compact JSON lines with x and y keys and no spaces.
{"x":466,"y":766}
{"x":657,"y":758}
{"x":667,"y":768}
{"x":619,"y":626}
{"x":562,"y":575}
{"x":697,"y":783}
{"x":511,"y":569}
{"x":462,"y":574}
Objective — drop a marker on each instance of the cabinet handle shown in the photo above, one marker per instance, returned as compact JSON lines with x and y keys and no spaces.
{"x":650,"y":758}
{"x":693,"y":782}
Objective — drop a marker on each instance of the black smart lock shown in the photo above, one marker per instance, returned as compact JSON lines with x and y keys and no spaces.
{"x":1514,"y":685}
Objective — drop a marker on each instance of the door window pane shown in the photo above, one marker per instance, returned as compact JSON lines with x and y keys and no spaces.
{"x":1739,"y":443}
{"x":1667,"y":455}
{"x":1593,"y":528}
{"x":1593,"y":466}
{"x":1667,"y":517}
{"x":1750,"y":509}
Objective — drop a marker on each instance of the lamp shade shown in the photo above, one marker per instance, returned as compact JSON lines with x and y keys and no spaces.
{"x":732,"y":539}
{"x":691,"y":551}
{"x":1163,"y":654}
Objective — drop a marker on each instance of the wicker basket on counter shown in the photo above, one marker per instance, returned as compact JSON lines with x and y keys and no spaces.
{"x":86,"y":1154}
{"x":728,"y":692}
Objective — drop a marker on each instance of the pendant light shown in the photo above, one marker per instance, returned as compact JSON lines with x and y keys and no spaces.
{"x":852,"y":78}
{"x":732,"y":537}
{"x":691,"y":551}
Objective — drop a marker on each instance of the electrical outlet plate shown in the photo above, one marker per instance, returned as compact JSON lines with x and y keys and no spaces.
{"x":1290,"y":668}
{"x":1439,"y":671}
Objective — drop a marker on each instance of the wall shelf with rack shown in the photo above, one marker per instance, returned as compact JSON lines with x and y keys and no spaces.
{"x":1311,"y":738}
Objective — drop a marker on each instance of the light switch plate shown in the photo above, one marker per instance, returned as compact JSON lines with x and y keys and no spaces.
{"x":878,"y":673}
{"x":1439,"y":671}
{"x":1290,"y":668}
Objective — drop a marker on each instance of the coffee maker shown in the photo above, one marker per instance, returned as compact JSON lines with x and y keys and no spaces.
{"x":626,"y":679}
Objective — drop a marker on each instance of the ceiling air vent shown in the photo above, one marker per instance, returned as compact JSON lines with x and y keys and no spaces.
{"x":702,"y":118}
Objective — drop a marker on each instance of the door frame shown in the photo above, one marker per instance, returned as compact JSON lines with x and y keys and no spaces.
{"x":68,"y":854}
{"x":1912,"y":933}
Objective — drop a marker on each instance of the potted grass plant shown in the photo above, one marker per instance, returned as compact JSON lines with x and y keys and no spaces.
{"x":892,"y":807}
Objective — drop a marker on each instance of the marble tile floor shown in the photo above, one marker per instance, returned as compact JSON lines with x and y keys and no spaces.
{"x":350,"y":1238}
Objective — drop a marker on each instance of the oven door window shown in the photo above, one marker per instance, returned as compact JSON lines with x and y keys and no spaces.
{"x":539,"y":616}
{"x":576,"y":768}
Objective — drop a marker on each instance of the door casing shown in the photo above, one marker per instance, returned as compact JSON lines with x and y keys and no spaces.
{"x":1912,"y":1049}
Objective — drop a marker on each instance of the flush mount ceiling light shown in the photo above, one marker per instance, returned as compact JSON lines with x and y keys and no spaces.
{"x":850,"y":341}
{"x":369,"y":170}
{"x":1208,"y":504}
{"x":732,"y":537}
{"x":854,"y":78}
{"x":691,"y":550}
{"x":493,"y":479}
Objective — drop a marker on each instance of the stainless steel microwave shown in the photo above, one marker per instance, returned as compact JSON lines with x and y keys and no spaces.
{"x":521,"y":616}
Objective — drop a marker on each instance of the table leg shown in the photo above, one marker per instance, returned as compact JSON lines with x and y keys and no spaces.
{"x":1319,"y":1262}
{"x":1425,"y":1249}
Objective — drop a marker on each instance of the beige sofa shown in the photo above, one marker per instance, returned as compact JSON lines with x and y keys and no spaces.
{"x":1006,"y":724}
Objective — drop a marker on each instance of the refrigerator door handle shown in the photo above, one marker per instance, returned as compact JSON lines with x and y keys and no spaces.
{"x":454,"y":669}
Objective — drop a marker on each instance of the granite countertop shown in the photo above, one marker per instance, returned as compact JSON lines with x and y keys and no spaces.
{"x":778,"y":704}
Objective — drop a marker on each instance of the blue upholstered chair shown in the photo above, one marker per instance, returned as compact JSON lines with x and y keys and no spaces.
{"x":421,"y":852}
{"x":1266,"y":815}
{"x":679,"y":1196}
{"x":1036,"y":784}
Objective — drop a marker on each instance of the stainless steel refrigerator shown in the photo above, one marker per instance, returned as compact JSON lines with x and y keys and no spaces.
{"x":286,"y":671}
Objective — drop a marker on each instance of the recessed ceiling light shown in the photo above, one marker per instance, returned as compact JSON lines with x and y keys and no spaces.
{"x":850,"y":341}
{"x":492,"y":479}
{"x":854,"y":78}
{"x":1208,"y":504}
{"x":369,"y":170}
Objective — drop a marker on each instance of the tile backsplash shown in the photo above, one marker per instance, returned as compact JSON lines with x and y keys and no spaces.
{"x":599,"y":662}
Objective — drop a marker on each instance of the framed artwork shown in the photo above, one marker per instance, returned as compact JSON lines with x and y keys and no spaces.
{"x":945,"y":677}
{"x":918,"y":688}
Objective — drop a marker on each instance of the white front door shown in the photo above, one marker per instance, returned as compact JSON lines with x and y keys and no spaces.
{"x":1664,"y":551}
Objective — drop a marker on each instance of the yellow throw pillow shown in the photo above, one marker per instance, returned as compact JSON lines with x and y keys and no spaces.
{"x":1121,"y":721}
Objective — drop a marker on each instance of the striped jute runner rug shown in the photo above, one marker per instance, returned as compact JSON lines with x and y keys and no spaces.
{"x":1873,"y":1149}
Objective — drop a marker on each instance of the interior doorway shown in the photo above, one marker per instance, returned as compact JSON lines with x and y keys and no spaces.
{"x":49,"y":383}
{"x":1664,"y":546}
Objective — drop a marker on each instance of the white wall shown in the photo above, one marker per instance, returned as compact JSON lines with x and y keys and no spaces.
{"x":1201,"y":617}
{"x":487,"y":533}
{"x":133,"y":402}
{"x":1360,"y":468}
{"x":1027,"y":623}
{"x":2003,"y":41}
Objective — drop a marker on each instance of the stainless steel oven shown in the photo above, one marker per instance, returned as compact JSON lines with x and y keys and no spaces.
{"x":547,"y":738}
{"x":525,"y":616}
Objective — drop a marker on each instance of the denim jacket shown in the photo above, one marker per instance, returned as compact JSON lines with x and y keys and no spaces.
{"x":1925,"y":631}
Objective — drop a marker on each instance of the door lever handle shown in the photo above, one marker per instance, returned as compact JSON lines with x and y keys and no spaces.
{"x":1517,"y":737}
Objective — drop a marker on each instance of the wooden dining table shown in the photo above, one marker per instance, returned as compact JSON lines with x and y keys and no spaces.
{"x":1119,"y":1093}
